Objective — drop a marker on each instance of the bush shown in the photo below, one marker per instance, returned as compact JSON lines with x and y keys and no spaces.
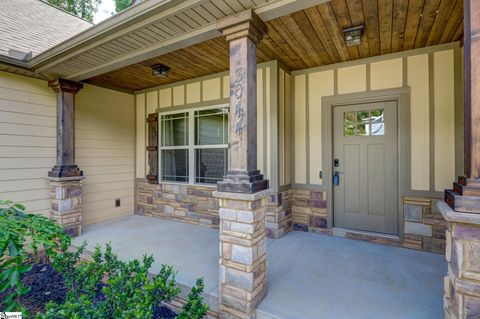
{"x":109,"y":288}
{"x":21,"y":235}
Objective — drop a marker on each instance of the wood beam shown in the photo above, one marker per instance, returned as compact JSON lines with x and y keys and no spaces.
{"x":472,"y":88}
{"x":65,"y":91}
{"x":243,"y":31}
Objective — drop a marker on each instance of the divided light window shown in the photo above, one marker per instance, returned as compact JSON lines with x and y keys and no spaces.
{"x":194,"y":145}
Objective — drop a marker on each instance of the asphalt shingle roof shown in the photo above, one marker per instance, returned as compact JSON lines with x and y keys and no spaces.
{"x":33,"y":25}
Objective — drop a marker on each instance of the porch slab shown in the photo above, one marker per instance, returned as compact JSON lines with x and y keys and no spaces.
{"x":317,"y":276}
{"x":309,"y":275}
{"x":191,"y":249}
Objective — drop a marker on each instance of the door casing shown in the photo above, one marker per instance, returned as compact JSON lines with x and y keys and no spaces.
{"x":402,"y":96}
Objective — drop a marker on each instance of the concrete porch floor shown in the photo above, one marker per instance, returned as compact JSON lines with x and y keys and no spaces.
{"x":309,"y":275}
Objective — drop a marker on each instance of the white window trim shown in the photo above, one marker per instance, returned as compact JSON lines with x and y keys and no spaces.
{"x":191,"y":147}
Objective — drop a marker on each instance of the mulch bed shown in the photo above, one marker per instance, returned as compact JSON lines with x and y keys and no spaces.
{"x":47,"y":284}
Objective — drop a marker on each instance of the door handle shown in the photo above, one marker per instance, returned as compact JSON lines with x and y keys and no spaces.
{"x":336,"y":178}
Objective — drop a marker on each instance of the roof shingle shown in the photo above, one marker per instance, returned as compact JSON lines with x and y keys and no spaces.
{"x":33,"y":25}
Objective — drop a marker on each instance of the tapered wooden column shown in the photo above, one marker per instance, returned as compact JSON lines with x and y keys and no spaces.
{"x":462,"y":284}
{"x":243,"y":192}
{"x":65,"y":91}
{"x":243,"y":31}
{"x":65,"y":177}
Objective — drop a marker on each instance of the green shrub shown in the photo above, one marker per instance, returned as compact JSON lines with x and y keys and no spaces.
{"x":127,"y":291}
{"x":21,"y":235}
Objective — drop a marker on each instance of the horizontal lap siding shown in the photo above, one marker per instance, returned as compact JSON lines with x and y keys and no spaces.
{"x":105,"y":150}
{"x":27,"y":141}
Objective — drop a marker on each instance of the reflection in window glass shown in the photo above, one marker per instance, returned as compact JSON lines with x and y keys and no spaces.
{"x":174,"y":129}
{"x":210,"y":165}
{"x":364,"y":123}
{"x":211,"y":126}
{"x":175,"y":165}
{"x":349,"y":125}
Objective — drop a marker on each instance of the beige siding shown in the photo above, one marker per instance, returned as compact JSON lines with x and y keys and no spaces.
{"x":444,"y":114}
{"x":105,"y":143}
{"x":300,"y":131}
{"x":214,"y":90}
{"x":320,"y":84}
{"x":418,"y":80}
{"x":27,"y":141}
{"x":140,"y":152}
{"x":432,"y":103}
{"x":104,"y":138}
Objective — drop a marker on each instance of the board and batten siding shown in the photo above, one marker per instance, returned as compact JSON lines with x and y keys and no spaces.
{"x":104,"y":138}
{"x":434,"y":78}
{"x":213,"y":90}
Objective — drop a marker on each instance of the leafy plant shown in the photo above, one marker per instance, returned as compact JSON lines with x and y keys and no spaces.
{"x":109,"y":288}
{"x":85,"y":9}
{"x":194,"y":308}
{"x":21,"y":236}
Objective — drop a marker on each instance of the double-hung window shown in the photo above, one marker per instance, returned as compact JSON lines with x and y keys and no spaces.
{"x":194,"y":145}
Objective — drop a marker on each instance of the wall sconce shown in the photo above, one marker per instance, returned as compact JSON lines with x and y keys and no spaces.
{"x":160,"y":70}
{"x":353,"y":36}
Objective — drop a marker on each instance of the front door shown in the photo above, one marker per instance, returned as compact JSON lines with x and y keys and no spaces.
{"x":365,"y":152}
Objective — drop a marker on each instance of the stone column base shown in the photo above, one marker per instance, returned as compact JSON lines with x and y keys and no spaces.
{"x":243,"y":260}
{"x":462,"y":285}
{"x":66,"y":199}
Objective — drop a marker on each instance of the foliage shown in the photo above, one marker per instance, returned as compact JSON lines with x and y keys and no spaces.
{"x":121,"y":5}
{"x":109,"y":288}
{"x":194,"y":308}
{"x":23,"y":234}
{"x":85,"y":9}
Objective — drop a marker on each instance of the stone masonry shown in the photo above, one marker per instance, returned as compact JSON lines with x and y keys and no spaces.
{"x":243,"y":260}
{"x":187,"y":203}
{"x":66,"y":199}
{"x":424,"y":226}
{"x":279,"y":214}
{"x":462,"y":284}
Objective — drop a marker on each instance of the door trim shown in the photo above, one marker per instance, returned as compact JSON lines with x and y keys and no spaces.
{"x":402,"y":97}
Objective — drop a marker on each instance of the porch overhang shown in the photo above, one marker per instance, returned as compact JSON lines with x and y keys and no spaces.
{"x":146,"y":30}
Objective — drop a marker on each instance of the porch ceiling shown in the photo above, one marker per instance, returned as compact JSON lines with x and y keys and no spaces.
{"x":312,"y":37}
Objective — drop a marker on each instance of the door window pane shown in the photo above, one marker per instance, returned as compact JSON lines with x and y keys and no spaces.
{"x":211,"y":127}
{"x":364,"y":123}
{"x":211,"y":165}
{"x":175,"y":129}
{"x":175,"y":165}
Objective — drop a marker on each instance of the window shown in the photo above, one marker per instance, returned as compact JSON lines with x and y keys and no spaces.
{"x":364,"y":123}
{"x":194,"y":145}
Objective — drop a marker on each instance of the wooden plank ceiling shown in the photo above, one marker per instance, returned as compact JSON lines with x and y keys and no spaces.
{"x":311,"y":38}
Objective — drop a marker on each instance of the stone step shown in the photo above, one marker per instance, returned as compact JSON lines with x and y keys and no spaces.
{"x":466,"y":190}
{"x":459,"y":203}
{"x":472,"y":182}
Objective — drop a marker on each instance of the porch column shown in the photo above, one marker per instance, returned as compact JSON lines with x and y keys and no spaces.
{"x":462,"y":284}
{"x":65,"y":177}
{"x":243,"y":192}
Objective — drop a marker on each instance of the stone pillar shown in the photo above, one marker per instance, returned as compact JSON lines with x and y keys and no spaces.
{"x":65,"y":177}
{"x":462,"y":284}
{"x":66,"y":198}
{"x":243,"y":192}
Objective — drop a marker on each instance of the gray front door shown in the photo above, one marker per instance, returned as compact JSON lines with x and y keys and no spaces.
{"x":365,"y":160}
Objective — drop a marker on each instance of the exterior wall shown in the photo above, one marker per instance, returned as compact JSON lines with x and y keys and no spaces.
{"x":424,"y":225}
{"x":434,"y":77}
{"x":194,"y":203}
{"x":104,"y":146}
{"x":27,"y":141}
{"x":105,"y":151}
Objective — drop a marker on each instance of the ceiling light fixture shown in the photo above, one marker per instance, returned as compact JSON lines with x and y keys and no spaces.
{"x":353,"y":35}
{"x":160,"y":70}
